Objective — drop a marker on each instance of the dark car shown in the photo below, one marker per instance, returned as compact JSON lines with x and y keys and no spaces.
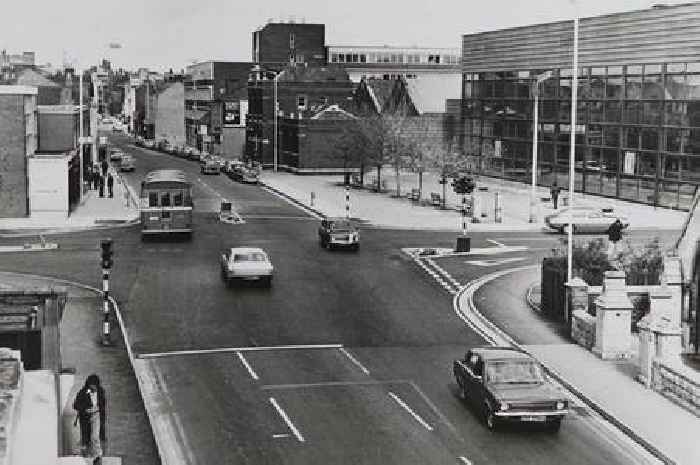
{"x":505,"y":384}
{"x":338,"y":232}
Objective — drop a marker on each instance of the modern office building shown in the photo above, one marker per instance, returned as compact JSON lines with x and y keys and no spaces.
{"x":638,"y":109}
{"x":385,"y":62}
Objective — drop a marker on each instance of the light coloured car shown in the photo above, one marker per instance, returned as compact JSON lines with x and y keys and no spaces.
{"x":246,"y":263}
{"x":127,"y":163}
{"x":115,"y":154}
{"x":584,"y":220}
{"x":149,"y":143}
{"x":210,"y":167}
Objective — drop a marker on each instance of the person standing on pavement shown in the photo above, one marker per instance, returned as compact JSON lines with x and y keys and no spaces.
{"x":105,"y":167}
{"x":554,"y":191}
{"x":110,"y":184}
{"x":614,"y":236}
{"x":91,"y":407}
{"x":101,"y":181}
{"x":96,"y":176}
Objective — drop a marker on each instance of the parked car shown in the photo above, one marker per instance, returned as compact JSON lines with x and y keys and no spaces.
{"x":246,"y":263}
{"x":115,"y":154}
{"x":249,"y":176}
{"x":210,"y":167}
{"x":149,"y":143}
{"x":338,"y":232}
{"x":194,"y":155}
{"x":169,"y":148}
{"x":127,"y":163}
{"x":584,"y":220}
{"x":140,"y":141}
{"x":505,"y":384}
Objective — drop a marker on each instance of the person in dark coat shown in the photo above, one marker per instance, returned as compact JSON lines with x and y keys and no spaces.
{"x":105,"y":167}
{"x":90,"y":405}
{"x":554,"y":191}
{"x":101,"y":182}
{"x":614,"y":236}
{"x":96,"y":176}
{"x":110,"y":184}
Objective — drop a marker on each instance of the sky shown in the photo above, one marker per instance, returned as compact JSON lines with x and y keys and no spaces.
{"x":164,"y":34}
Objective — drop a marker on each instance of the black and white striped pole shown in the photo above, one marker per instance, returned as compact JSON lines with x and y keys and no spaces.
{"x":347,"y":202}
{"x":106,"y":246}
{"x":464,"y":215}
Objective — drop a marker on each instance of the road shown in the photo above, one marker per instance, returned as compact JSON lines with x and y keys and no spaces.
{"x":345,"y":360}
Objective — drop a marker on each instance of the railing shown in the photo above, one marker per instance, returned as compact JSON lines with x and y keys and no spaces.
{"x":673,"y":383}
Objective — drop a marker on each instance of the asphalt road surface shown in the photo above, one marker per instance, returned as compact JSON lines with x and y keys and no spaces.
{"x":345,"y":360}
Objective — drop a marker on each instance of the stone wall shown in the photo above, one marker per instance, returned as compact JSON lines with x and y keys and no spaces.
{"x":677,"y":382}
{"x":583,"y":329}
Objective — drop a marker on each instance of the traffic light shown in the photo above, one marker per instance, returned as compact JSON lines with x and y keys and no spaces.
{"x":106,"y":245}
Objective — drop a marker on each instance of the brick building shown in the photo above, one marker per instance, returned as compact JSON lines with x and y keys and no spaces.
{"x":276,"y":45}
{"x":214,"y":95}
{"x":18,"y":133}
{"x":301,"y":93}
{"x":169,"y":109}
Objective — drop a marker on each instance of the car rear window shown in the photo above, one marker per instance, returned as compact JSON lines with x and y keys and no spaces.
{"x":342,"y":225}
{"x":514,"y":372}
{"x":249,"y":257}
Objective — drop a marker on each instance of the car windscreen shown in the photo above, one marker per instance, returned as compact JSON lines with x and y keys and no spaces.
{"x":514,"y":372}
{"x":249,"y":257}
{"x":341,"y":226}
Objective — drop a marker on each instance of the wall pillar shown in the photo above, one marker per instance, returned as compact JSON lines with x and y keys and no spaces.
{"x":613,"y":318}
{"x":576,"y":297}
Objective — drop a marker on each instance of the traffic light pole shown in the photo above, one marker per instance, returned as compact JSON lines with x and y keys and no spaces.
{"x":106,"y":246}
{"x":464,"y":215}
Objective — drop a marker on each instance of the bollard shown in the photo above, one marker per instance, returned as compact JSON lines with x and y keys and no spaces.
{"x":497,"y":208}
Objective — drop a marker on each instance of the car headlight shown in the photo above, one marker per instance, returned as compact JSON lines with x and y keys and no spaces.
{"x":504,"y":406}
{"x":561,"y":405}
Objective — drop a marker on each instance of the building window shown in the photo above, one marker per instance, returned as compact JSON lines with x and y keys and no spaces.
{"x":152,"y":199}
{"x":363,"y":58}
{"x":334,"y":58}
{"x":301,"y":102}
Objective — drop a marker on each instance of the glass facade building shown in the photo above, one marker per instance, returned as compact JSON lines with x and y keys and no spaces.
{"x":638,"y":108}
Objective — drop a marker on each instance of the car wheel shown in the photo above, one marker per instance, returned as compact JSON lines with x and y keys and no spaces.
{"x":356,"y":247}
{"x":491,"y":420}
{"x":553,"y":426}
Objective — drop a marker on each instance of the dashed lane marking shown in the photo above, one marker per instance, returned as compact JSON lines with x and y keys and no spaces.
{"x":245,"y":363}
{"x":496,"y":243}
{"x":494,"y":262}
{"x":286,"y":419}
{"x":409,"y":410}
{"x":465,"y":460}
{"x":354,"y":360}
{"x":239,"y":349}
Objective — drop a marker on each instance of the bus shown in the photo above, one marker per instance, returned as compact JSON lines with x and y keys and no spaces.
{"x":166,"y":203}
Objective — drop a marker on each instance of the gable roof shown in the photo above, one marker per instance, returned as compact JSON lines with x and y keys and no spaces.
{"x":429,"y":93}
{"x":333,"y":112}
{"x":380,"y":90}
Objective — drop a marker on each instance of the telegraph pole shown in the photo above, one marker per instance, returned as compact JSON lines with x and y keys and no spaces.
{"x":106,"y":246}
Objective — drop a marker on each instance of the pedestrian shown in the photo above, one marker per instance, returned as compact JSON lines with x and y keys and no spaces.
{"x":110,"y":184}
{"x":105,"y":167}
{"x":101,"y":181}
{"x":90,"y":405}
{"x":614,"y":236}
{"x":554,"y":191}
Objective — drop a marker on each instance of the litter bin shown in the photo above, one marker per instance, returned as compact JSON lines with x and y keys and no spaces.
{"x":463,"y":244}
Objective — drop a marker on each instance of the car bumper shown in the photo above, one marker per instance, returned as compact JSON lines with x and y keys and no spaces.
{"x":521,"y":415}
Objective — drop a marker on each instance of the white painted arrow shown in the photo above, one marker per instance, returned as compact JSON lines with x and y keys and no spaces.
{"x":494,"y":262}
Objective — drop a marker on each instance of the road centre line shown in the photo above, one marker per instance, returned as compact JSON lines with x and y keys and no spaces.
{"x":496,"y":243}
{"x":245,"y":363}
{"x":465,"y":460}
{"x":354,"y":360}
{"x":286,"y":419}
{"x":238,"y":349}
{"x":371,"y":382}
{"x":408,"y":409}
{"x":437,"y":412}
{"x":280,"y":435}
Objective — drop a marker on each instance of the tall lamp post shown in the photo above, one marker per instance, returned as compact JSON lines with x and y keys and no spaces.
{"x":572,"y":152}
{"x":275,"y":141}
{"x":536,"y":90}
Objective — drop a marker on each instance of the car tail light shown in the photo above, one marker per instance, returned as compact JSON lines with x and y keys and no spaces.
{"x":504,"y":406}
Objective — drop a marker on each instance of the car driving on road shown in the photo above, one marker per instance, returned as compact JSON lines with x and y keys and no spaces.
{"x":505,"y":384}
{"x":338,"y":232}
{"x":246,"y":263}
{"x":210,"y":167}
{"x":115,"y":154}
{"x":127,"y":163}
{"x":584,"y":220}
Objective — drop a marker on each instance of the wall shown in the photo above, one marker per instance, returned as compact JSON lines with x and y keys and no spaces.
{"x":58,"y":132}
{"x":233,"y":142}
{"x":274,"y":47}
{"x":170,"y":115}
{"x":13,"y":168}
{"x":48,"y":185}
{"x":318,"y":147}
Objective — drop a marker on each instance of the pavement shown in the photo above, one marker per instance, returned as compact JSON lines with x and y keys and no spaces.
{"x":662,"y":427}
{"x":92,"y":212}
{"x":386,"y":209}
{"x":129,"y":437}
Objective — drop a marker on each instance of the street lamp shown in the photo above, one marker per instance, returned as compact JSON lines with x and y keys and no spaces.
{"x":536,"y":90}
{"x":572,"y":152}
{"x":275,"y":148}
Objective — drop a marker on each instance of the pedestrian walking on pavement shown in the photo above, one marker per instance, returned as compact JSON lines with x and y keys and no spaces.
{"x":102,"y":185}
{"x":110,"y":184}
{"x":105,"y":167}
{"x":95,"y":176}
{"x":91,"y":407}
{"x":554,"y":191}
{"x":614,"y":236}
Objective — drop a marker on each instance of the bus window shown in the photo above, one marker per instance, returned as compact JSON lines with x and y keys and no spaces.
{"x":177,"y":199}
{"x":152,"y":199}
{"x":165,"y":199}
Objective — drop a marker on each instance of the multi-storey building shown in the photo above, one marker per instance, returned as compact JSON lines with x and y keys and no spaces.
{"x":276,"y":45}
{"x":215,"y":92}
{"x":169,"y":109}
{"x":637,"y":128}
{"x":385,"y":62}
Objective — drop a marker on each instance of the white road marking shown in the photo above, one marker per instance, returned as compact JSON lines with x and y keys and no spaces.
{"x":370,"y":382}
{"x":303,"y":208}
{"x":465,"y":460}
{"x":413,"y":414}
{"x":502,"y":261}
{"x":494,"y":242}
{"x":286,"y":419}
{"x":245,"y":363}
{"x":176,"y":418}
{"x":430,"y":403}
{"x":280,"y":435}
{"x":354,"y":360}
{"x":238,"y":349}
